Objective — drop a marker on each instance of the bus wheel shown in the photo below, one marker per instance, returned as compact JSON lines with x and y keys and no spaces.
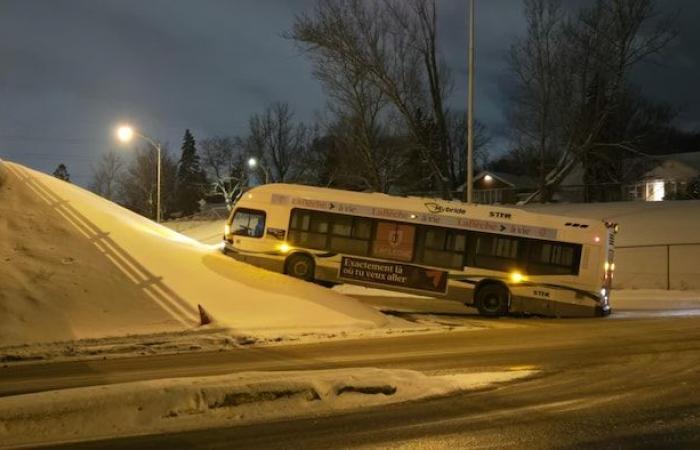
{"x":492,"y":300}
{"x":300,"y":266}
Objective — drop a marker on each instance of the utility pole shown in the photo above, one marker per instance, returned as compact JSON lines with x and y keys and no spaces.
{"x":470,"y":111}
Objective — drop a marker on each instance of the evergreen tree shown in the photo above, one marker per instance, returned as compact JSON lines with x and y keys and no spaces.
{"x":61,"y":173}
{"x":190,"y":178}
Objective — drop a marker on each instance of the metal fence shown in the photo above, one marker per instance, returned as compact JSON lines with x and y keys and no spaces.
{"x":658,"y":266}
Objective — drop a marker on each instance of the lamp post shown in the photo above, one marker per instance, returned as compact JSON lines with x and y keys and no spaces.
{"x":126,"y":133}
{"x":253,"y":163}
{"x":468,"y":192}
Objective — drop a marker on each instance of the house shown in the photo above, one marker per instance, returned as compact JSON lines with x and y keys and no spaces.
{"x":499,"y":187}
{"x":669,"y":177}
{"x":656,"y":178}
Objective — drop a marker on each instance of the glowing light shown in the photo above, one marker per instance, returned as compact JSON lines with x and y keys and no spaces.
{"x":125,"y":133}
{"x":597,"y":238}
{"x":612,"y":267}
{"x":607,"y":266}
{"x":252,"y":163}
{"x":284,"y":247}
{"x":516,"y":277}
{"x":603,"y":292}
{"x":488,"y":178}
{"x":413,"y":216}
{"x":227,"y":229}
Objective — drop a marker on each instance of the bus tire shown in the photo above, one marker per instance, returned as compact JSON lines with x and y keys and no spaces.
{"x":492,"y":300}
{"x":300,"y":266}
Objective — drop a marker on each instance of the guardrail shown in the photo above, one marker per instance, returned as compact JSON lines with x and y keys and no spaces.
{"x":658,"y":266}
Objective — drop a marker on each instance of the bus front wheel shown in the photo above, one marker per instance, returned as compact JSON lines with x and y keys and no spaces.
{"x":492,"y":300}
{"x":300,"y":266}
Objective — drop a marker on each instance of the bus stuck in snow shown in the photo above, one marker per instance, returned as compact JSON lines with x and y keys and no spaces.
{"x":498,"y":260}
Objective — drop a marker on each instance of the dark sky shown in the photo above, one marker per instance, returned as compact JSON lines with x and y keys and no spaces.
{"x":70,"y":70}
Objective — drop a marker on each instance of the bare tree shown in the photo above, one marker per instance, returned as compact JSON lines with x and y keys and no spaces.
{"x":224,"y":162}
{"x":277,"y":142}
{"x":572,"y":72}
{"x":138,"y":182}
{"x":105,"y":175}
{"x":391,"y":46}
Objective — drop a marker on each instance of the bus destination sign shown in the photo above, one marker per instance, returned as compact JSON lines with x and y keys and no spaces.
{"x":393,"y":274}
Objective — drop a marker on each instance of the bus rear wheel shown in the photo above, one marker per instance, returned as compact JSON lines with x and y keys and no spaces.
{"x":300,"y":266}
{"x":492,"y":300}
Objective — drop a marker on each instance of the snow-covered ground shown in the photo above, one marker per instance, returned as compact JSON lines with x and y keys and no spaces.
{"x":76,"y":266}
{"x":179,"y":404}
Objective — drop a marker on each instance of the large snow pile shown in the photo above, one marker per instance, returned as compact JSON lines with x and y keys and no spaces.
{"x":77,"y":266}
{"x":178,"y":404}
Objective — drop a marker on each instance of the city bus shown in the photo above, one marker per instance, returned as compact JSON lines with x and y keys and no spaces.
{"x":499,"y":260}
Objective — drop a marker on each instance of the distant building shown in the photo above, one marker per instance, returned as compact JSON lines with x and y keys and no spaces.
{"x":656,"y":178}
{"x":499,"y":187}
{"x":669,"y":177}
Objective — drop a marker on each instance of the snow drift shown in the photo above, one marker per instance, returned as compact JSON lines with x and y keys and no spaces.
{"x":77,"y":266}
{"x":179,"y":404}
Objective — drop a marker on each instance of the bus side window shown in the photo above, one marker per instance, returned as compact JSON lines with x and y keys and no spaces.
{"x":496,"y":252}
{"x":248,"y":222}
{"x":442,"y":247}
{"x":552,"y":258}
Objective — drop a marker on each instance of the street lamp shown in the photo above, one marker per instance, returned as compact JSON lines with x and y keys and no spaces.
{"x":253,"y":163}
{"x":126,"y":133}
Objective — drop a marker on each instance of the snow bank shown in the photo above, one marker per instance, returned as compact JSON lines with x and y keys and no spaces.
{"x":205,"y":231}
{"x":76,"y":266}
{"x":179,"y":404}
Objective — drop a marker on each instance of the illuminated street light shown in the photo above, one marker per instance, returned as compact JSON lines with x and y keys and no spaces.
{"x":488,"y":178}
{"x":253,"y":163}
{"x":126,"y":133}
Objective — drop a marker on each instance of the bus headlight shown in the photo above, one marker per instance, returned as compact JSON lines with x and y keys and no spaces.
{"x":284,"y":247}
{"x":227,"y":229}
{"x":517,"y":277}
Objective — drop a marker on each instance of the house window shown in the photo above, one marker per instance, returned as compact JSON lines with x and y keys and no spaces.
{"x":655,"y":191}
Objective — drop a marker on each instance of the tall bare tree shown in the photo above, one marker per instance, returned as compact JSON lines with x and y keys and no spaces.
{"x":572,"y":73}
{"x":278,"y":142}
{"x":392,"y":46}
{"x":138,"y":182}
{"x":224,"y":162}
{"x":105,"y":175}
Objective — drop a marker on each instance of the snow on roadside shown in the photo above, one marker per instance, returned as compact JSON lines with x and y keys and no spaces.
{"x":654,"y":303}
{"x":178,"y":404}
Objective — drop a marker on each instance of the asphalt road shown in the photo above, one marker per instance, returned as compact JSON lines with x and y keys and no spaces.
{"x":604,"y":383}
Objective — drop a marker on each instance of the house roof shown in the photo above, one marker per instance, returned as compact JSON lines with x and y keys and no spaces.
{"x":681,"y":166}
